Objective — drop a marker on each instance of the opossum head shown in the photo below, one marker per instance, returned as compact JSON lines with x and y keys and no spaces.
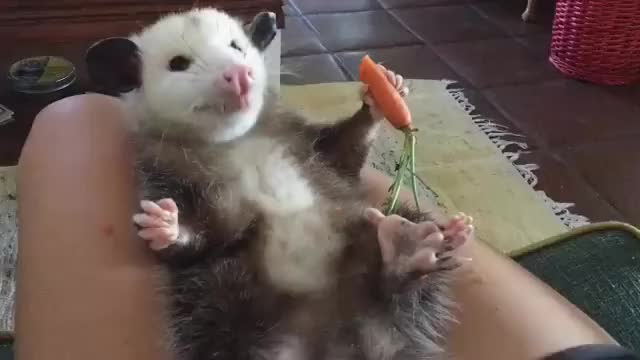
{"x":199,"y":70}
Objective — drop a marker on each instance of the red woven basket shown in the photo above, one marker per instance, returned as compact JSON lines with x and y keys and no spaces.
{"x":597,"y":40}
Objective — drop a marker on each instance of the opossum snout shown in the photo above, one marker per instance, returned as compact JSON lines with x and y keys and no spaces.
{"x":237,"y":79}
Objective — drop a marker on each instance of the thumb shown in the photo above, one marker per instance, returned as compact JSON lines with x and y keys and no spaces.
{"x":373,"y":215}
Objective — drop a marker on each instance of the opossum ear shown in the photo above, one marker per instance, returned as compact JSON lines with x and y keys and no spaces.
{"x":113,"y":65}
{"x":262,"y":30}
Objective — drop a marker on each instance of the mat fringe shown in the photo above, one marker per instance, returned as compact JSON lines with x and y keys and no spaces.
{"x":512,"y":149}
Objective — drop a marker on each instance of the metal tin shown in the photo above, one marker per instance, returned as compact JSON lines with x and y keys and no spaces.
{"x":41,"y":75}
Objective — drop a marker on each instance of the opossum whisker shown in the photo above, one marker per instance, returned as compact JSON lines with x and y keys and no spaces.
{"x":196,"y":56}
{"x":160,"y":145}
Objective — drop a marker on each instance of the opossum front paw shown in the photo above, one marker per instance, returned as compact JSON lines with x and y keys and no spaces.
{"x":398,"y":82}
{"x":411,"y":251}
{"x":158,"y":223}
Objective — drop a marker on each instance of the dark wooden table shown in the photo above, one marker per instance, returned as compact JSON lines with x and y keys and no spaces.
{"x":66,"y":28}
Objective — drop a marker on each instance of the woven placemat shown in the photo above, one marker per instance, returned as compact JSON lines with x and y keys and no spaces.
{"x":597,"y":268}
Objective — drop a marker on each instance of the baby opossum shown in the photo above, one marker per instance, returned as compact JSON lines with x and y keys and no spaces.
{"x":271,"y":249}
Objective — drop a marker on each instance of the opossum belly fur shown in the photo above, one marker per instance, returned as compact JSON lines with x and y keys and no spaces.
{"x":299,"y":244}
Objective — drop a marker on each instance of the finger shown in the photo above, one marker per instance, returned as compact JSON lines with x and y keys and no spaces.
{"x":449,"y":263}
{"x":455,"y":226}
{"x":157,"y":245}
{"x":399,"y":82}
{"x":426,"y":229}
{"x":145,"y":220}
{"x":470,"y":229}
{"x":373,"y":215}
{"x":424,"y":261}
{"x":387,"y":250}
{"x":391,"y":77}
{"x":459,"y":230}
{"x":446,"y":250}
{"x":157,"y":234}
{"x":456,"y":241}
{"x":368,"y":99}
{"x":168,"y":205}
{"x":152,"y":208}
{"x":433,"y":240}
{"x":452,"y":265}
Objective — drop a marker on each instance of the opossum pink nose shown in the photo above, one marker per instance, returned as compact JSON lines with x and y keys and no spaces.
{"x":238,"y":79}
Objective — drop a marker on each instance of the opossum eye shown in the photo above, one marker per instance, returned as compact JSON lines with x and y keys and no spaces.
{"x":179,"y":63}
{"x":235,"y":45}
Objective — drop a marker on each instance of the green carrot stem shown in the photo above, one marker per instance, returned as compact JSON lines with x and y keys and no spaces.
{"x":419,"y":179}
{"x":401,"y":161}
{"x":412,"y":164}
{"x":397,"y":184}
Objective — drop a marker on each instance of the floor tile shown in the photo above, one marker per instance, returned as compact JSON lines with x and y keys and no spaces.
{"x":310,"y":69}
{"x":612,"y":169}
{"x":495,"y":62}
{"x":508,"y":17}
{"x":629,"y":93}
{"x":403,"y":60}
{"x":566,"y":112}
{"x":486,"y":110}
{"x":289,"y":8}
{"x":360,"y":30}
{"x":299,"y":39}
{"x":563,"y":183}
{"x":540,"y":44}
{"x":390,"y":4}
{"x":329,"y":6}
{"x":441,"y":24}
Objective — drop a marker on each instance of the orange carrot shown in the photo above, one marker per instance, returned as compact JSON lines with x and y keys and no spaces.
{"x":389,"y":101}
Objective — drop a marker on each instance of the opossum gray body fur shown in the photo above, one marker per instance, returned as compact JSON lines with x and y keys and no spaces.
{"x":272,"y":258}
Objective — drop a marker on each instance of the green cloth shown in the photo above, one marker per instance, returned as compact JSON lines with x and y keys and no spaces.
{"x":598,"y":271}
{"x":6,"y":351}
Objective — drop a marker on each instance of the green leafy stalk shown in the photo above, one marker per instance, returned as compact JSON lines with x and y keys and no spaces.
{"x":406,"y":163}
{"x":412,"y":164}
{"x":398,"y":179}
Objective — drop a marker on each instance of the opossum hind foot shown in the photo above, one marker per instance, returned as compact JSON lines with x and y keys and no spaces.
{"x":412,"y":251}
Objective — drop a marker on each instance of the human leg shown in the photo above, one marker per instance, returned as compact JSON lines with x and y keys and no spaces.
{"x":505,"y":312}
{"x":85,"y":287}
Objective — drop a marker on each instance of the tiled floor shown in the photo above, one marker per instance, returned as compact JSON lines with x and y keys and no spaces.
{"x":586,"y":138}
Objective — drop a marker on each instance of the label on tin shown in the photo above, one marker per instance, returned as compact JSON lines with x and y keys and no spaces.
{"x":42,"y":74}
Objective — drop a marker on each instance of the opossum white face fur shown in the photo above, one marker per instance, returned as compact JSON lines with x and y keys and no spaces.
{"x":201,"y":69}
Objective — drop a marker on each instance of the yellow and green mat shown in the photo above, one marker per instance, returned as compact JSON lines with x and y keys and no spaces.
{"x":458,"y":155}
